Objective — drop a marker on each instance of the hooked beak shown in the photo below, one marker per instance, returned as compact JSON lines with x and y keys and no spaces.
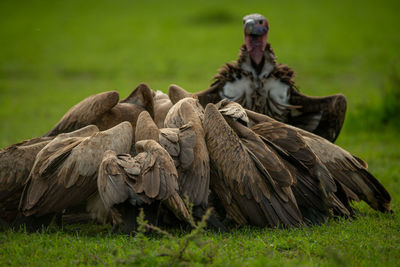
{"x":252,"y":28}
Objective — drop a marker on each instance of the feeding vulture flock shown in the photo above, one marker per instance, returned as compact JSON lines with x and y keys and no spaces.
{"x":251,"y":146}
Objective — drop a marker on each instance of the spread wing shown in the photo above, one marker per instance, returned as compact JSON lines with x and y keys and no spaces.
{"x":288,"y":139}
{"x":227,"y":73}
{"x":355,"y":179}
{"x":348,"y":172}
{"x":315,"y":188}
{"x":65,"y":171}
{"x":211,"y":94}
{"x":245,"y":178}
{"x":43,"y":175}
{"x":86,"y":112}
{"x":230,"y":72}
{"x":333,"y":166}
{"x":50,"y":157}
{"x":16,"y":162}
{"x":323,"y":116}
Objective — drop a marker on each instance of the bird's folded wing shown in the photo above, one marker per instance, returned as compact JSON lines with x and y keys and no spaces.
{"x":85,"y":112}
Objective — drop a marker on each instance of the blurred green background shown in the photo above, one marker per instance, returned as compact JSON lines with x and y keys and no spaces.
{"x":55,"y":53}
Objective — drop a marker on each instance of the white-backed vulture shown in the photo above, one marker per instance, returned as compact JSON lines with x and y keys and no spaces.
{"x":187,"y":148}
{"x":64,"y":174}
{"x":350,"y":174}
{"x":104,"y":110}
{"x":16,"y":162}
{"x":128,"y":183}
{"x":182,"y":143}
{"x":247,"y":177}
{"x":162,"y":104}
{"x":314,"y":188}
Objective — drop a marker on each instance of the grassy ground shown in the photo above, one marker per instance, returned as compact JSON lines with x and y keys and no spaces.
{"x":53,"y":54}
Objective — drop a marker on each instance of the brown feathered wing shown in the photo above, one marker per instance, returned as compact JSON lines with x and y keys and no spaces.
{"x":248,"y":188}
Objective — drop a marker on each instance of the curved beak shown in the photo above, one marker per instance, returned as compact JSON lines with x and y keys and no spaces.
{"x":252,"y":28}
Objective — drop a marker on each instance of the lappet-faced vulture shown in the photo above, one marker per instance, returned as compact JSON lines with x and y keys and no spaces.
{"x":128,"y":183}
{"x":64,"y":174}
{"x":105,"y":110}
{"x":258,"y":83}
{"x":247,"y":177}
{"x":350,"y":173}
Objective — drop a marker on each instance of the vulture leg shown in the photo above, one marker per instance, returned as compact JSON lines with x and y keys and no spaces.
{"x":168,"y":219}
{"x":151,"y":212}
{"x":32,"y":223}
{"x":3,"y":225}
{"x":129,"y":214}
{"x":323,"y":116}
{"x":212,"y":223}
{"x":75,"y":218}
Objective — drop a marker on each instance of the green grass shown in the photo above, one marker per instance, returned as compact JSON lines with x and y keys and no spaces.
{"x":53,"y":54}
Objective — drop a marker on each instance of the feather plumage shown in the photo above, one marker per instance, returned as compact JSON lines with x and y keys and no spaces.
{"x":269,"y":88}
{"x":149,"y":176}
{"x":348,"y":172}
{"x":104,"y":110}
{"x":65,"y":170}
{"x":255,"y":197}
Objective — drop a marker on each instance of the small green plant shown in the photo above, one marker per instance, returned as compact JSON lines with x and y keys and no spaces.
{"x":178,"y":250}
